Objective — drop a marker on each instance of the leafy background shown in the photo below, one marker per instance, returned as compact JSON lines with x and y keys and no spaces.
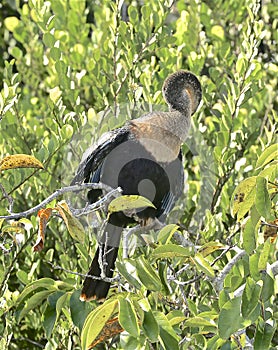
{"x":65,"y":66}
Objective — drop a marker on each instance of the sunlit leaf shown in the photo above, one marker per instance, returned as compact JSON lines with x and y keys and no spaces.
{"x":95,"y":322}
{"x":229,"y":318}
{"x":172,"y":251}
{"x":129,"y":202}
{"x":20,"y":161}
{"x":269,"y":154}
{"x":243,"y":197}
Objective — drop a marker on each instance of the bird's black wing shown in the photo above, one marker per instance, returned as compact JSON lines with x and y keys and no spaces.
{"x":170,"y":199}
{"x":90,"y":167}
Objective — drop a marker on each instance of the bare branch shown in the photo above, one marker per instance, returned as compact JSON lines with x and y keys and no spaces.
{"x":155,"y":224}
{"x":8,"y":197}
{"x":59,"y":192}
{"x":219,"y":280}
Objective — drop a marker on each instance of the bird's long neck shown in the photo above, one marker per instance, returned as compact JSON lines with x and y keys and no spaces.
{"x":162,"y":133}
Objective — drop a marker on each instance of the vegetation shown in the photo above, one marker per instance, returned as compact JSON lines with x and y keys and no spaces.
{"x":73,"y":69}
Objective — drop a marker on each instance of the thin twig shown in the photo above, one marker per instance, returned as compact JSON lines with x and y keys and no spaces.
{"x":106,"y":279}
{"x":8,"y":197}
{"x":59,"y":192}
{"x":153,"y":225}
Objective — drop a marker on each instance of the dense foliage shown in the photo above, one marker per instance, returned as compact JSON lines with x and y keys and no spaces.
{"x":76,"y":67}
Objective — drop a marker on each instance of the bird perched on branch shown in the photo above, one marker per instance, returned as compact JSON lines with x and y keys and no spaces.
{"x":143,"y":158}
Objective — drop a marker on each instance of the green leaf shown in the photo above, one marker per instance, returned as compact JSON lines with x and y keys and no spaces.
{"x":249,"y":234}
{"x":74,"y":226}
{"x":269,"y":154}
{"x":78,"y":310}
{"x":48,"y":283}
{"x":49,"y":39}
{"x":172,"y":251}
{"x":95,"y":322}
{"x":147,"y":275}
{"x":270,"y":172}
{"x":243,"y":197}
{"x":150,"y":326}
{"x":229,"y":318}
{"x":49,"y":319}
{"x":264,"y":335}
{"x":268,"y":289}
{"x":262,"y":200}
{"x":55,"y":53}
{"x":250,"y":297}
{"x":55,"y":94}
{"x":16,"y":52}
{"x":167,"y":335}
{"x":175,"y":317}
{"x":127,"y":270}
{"x":50,"y":315}
{"x":241,"y":64}
{"x":198,"y":321}
{"x":263,"y":259}
{"x":66,"y":131}
{"x":129,"y":202}
{"x":166,"y":233}
{"x":127,"y":317}
{"x":203,"y":265}
{"x":33,"y":302}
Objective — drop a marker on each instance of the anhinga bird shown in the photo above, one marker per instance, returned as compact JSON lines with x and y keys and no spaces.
{"x":143,"y":158}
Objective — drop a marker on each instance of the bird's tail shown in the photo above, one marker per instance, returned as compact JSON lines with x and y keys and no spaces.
{"x":104,"y":261}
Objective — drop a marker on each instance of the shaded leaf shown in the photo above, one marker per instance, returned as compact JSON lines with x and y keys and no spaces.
{"x":34,"y":301}
{"x":262,"y":200}
{"x":78,"y":309}
{"x":167,"y":335}
{"x":250,"y":297}
{"x":264,"y":334}
{"x":74,"y":226}
{"x":48,"y":283}
{"x":127,"y":317}
{"x":229,"y":318}
{"x":150,"y":326}
{"x":249,"y":234}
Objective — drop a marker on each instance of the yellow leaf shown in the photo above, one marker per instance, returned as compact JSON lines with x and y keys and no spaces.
{"x":129,"y":202}
{"x":243,"y":197}
{"x":209,"y":248}
{"x":218,"y":31}
{"x":20,"y":161}
{"x":11,"y":23}
{"x":74,"y":226}
{"x":55,"y":94}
